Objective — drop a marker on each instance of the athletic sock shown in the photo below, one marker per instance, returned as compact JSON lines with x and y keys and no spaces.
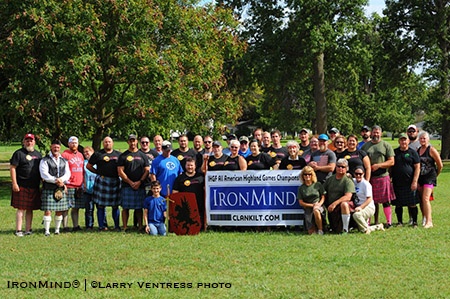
{"x":345,"y":221}
{"x":65,"y":221}
{"x":413,"y":211}
{"x":58,"y":220}
{"x":388,"y":213}
{"x":101,"y":217}
{"x":47,"y":222}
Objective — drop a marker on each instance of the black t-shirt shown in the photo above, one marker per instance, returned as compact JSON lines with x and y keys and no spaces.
{"x":402,"y":172}
{"x":217,"y":163}
{"x":278,"y":154}
{"x":355,"y":159}
{"x":194,"y":184}
{"x":27,"y":167}
{"x":289,"y":164}
{"x":181,"y":156}
{"x":106,"y":162}
{"x":134,"y":164}
{"x":261,"y":161}
{"x":232,"y":163}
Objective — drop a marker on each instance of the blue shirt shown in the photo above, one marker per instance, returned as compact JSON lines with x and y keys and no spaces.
{"x":89,"y":178}
{"x":166,"y":171}
{"x":156,"y":206}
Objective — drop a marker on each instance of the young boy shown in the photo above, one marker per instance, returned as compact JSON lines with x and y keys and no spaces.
{"x":155,"y":211}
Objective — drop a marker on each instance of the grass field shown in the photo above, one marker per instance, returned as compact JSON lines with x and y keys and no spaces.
{"x":398,"y":263}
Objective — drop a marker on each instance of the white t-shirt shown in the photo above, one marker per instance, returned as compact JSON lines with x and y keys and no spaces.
{"x":363,"y":190}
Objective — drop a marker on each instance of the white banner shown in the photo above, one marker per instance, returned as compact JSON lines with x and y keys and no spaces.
{"x":253,"y":198}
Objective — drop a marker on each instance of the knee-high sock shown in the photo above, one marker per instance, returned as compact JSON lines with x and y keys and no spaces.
{"x":47,"y":222}
{"x":413,"y":212}
{"x":388,"y":213}
{"x":58,"y":220}
{"x":101,"y":216}
{"x":345,"y":221}
{"x":399,"y":213}
{"x":65,"y":219}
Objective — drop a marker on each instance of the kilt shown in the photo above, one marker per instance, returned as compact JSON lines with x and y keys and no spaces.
{"x":26,"y":199}
{"x":132,"y":199}
{"x":382,"y":189}
{"x":50,"y":204}
{"x":106,"y":191}
{"x":77,"y":203}
{"x":405,"y":197}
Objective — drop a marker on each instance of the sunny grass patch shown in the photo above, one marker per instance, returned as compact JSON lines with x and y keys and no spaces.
{"x":399,"y":263}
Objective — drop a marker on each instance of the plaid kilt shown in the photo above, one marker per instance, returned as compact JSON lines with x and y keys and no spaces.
{"x":26,"y":199}
{"x":106,"y":191}
{"x":77,"y":203}
{"x":50,"y":204}
{"x":132,"y":199}
{"x":382,"y":189}
{"x":405,"y":197}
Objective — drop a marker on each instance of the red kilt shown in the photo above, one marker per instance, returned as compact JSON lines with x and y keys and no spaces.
{"x":382,"y":189}
{"x":26,"y":199}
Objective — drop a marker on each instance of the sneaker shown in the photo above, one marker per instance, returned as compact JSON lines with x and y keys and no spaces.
{"x":380,"y":227}
{"x":117,"y":229}
{"x":411,"y":222}
{"x":19,"y":233}
{"x":424,"y":221}
{"x":66,"y":230}
{"x":388,"y":225}
{"x":414,"y":225}
{"x":399,"y":224}
{"x":56,"y":232}
{"x":47,"y":234}
{"x":102,"y":229}
{"x":77,"y":228}
{"x":29,"y":233}
{"x":320,"y":232}
{"x":429,"y":225}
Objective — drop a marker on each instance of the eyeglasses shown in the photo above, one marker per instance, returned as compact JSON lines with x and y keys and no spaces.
{"x":144,"y":142}
{"x":411,"y":131}
{"x":358,"y":173}
{"x":234,"y":147}
{"x":341,"y":166}
{"x":208,"y":141}
{"x":244,"y":142}
{"x":339,"y":142}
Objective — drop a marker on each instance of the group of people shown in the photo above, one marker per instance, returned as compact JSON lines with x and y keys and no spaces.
{"x":339,"y":175}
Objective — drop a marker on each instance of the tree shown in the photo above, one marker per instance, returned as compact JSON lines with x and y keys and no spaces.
{"x":91,"y":68}
{"x":422,"y":28}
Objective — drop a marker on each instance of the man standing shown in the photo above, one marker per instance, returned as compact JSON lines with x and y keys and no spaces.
{"x":323,"y":161}
{"x":365,"y":134}
{"x":339,"y":189}
{"x":192,"y":181}
{"x":183,"y":151}
{"x":107,"y":183}
{"x":405,"y":175}
{"x":133,"y":167}
{"x":304,"y":141}
{"x":198,"y":143}
{"x":257,"y":134}
{"x":165,"y":169}
{"x":25,"y":177}
{"x":54,"y":170}
{"x":413,"y":133}
{"x":381,"y":157}
{"x":265,"y":142}
{"x":276,"y":150}
{"x":244,"y":151}
{"x":157,"y":142}
{"x":333,"y":134}
{"x":207,"y":150}
{"x":75,"y":183}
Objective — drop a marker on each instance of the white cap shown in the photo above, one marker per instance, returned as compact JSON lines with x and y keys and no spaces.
{"x":73,"y":139}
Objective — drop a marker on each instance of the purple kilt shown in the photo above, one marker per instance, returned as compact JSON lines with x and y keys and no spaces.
{"x":382,"y":189}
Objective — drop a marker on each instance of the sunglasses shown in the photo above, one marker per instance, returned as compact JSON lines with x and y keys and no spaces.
{"x":307,"y":174}
{"x":144,"y":142}
{"x":358,"y":173}
{"x":235,"y":147}
{"x":341,"y":166}
{"x":208,"y":141}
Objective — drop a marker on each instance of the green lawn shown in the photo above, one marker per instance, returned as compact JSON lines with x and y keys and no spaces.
{"x":398,"y":263}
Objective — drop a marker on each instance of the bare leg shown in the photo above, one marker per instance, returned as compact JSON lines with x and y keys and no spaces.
{"x":28,"y":220}
{"x":19,"y":220}
{"x":125,"y":215}
{"x":427,"y":206}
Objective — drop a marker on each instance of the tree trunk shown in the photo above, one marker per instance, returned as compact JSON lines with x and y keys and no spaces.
{"x":319,"y":94}
{"x":97,"y":138}
{"x":445,"y":135}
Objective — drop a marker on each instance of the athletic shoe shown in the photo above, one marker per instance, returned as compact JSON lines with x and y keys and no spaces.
{"x":77,"y":228}
{"x":424,"y":221}
{"x":388,"y":225}
{"x":19,"y":233}
{"x":430,"y":225}
{"x":380,"y":227}
{"x":320,"y":232}
{"x":29,"y":233}
{"x":46,"y":234}
{"x":399,"y":224}
{"x":56,"y":232}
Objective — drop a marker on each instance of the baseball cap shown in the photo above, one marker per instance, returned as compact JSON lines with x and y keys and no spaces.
{"x":333,"y":130}
{"x":305,"y":130}
{"x":412,"y":127}
{"x":323,"y":137}
{"x":73,"y":139}
{"x":29,"y":136}
{"x":365,"y":128}
{"x":402,"y":135}
{"x":231,"y":137}
{"x":217,"y":143}
{"x":166,"y":145}
{"x":56,"y":141}
{"x":132,"y":136}
{"x":243,"y":138}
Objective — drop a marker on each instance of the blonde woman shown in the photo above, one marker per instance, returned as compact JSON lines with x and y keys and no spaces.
{"x":311,"y":197}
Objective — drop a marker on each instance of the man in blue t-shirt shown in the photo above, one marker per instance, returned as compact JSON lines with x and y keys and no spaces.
{"x":165,"y":168}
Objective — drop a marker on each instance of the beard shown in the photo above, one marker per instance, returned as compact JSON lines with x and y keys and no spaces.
{"x":322,"y":147}
{"x":376,"y":138}
{"x":29,"y":148}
